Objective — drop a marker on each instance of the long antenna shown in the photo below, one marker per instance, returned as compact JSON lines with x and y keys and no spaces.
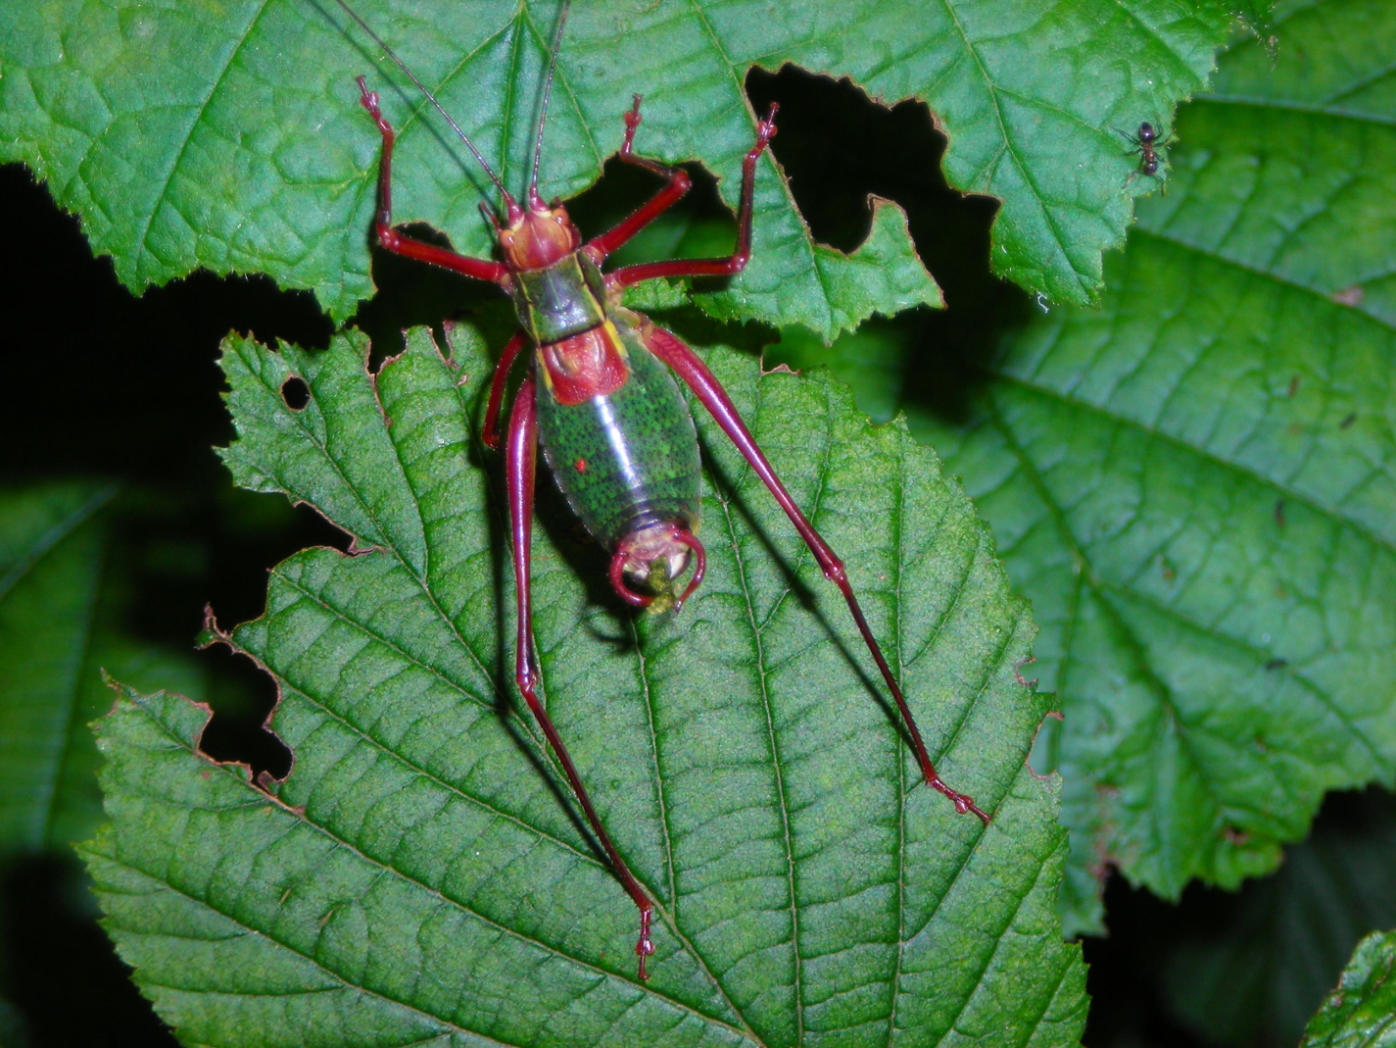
{"x":534,"y":200}
{"x":509,"y":203}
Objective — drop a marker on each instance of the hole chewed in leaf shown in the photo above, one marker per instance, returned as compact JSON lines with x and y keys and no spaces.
{"x":260,"y":752}
{"x":839,"y":148}
{"x":295,"y":393}
{"x":1044,"y":757}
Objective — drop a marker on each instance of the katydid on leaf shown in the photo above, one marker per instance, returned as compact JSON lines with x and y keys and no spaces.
{"x":599,"y":397}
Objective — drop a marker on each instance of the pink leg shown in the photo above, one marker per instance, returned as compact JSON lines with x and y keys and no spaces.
{"x":520,"y":462}
{"x":707,"y":389}
{"x":490,"y":430}
{"x":407,"y":247}
{"x":665,"y":198}
{"x":678,"y":184}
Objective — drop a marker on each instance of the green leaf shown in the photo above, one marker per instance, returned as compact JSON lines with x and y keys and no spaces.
{"x":1358,"y":1014}
{"x":63,"y":599}
{"x":1195,"y":485}
{"x":51,"y":551}
{"x":80,"y":561}
{"x":422,"y":872}
{"x":229,"y":136}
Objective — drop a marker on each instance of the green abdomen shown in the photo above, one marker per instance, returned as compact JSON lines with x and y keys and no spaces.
{"x":625,"y":457}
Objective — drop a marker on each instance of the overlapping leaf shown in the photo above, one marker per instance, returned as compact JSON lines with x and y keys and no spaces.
{"x":50,"y":574}
{"x":61,"y":599}
{"x":1196,"y":486}
{"x":422,"y":871}
{"x":229,"y":136}
{"x":1361,"y":1011}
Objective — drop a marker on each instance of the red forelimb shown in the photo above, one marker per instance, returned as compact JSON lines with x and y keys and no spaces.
{"x":707,"y":389}
{"x":408,"y":247}
{"x":600,"y":247}
{"x":678,"y":184}
{"x":520,"y":467}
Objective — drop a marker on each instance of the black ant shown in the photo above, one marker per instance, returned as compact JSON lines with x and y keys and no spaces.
{"x":1148,"y":143}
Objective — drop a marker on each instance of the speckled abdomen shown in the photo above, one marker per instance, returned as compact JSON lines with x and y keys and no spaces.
{"x":627,"y":457}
